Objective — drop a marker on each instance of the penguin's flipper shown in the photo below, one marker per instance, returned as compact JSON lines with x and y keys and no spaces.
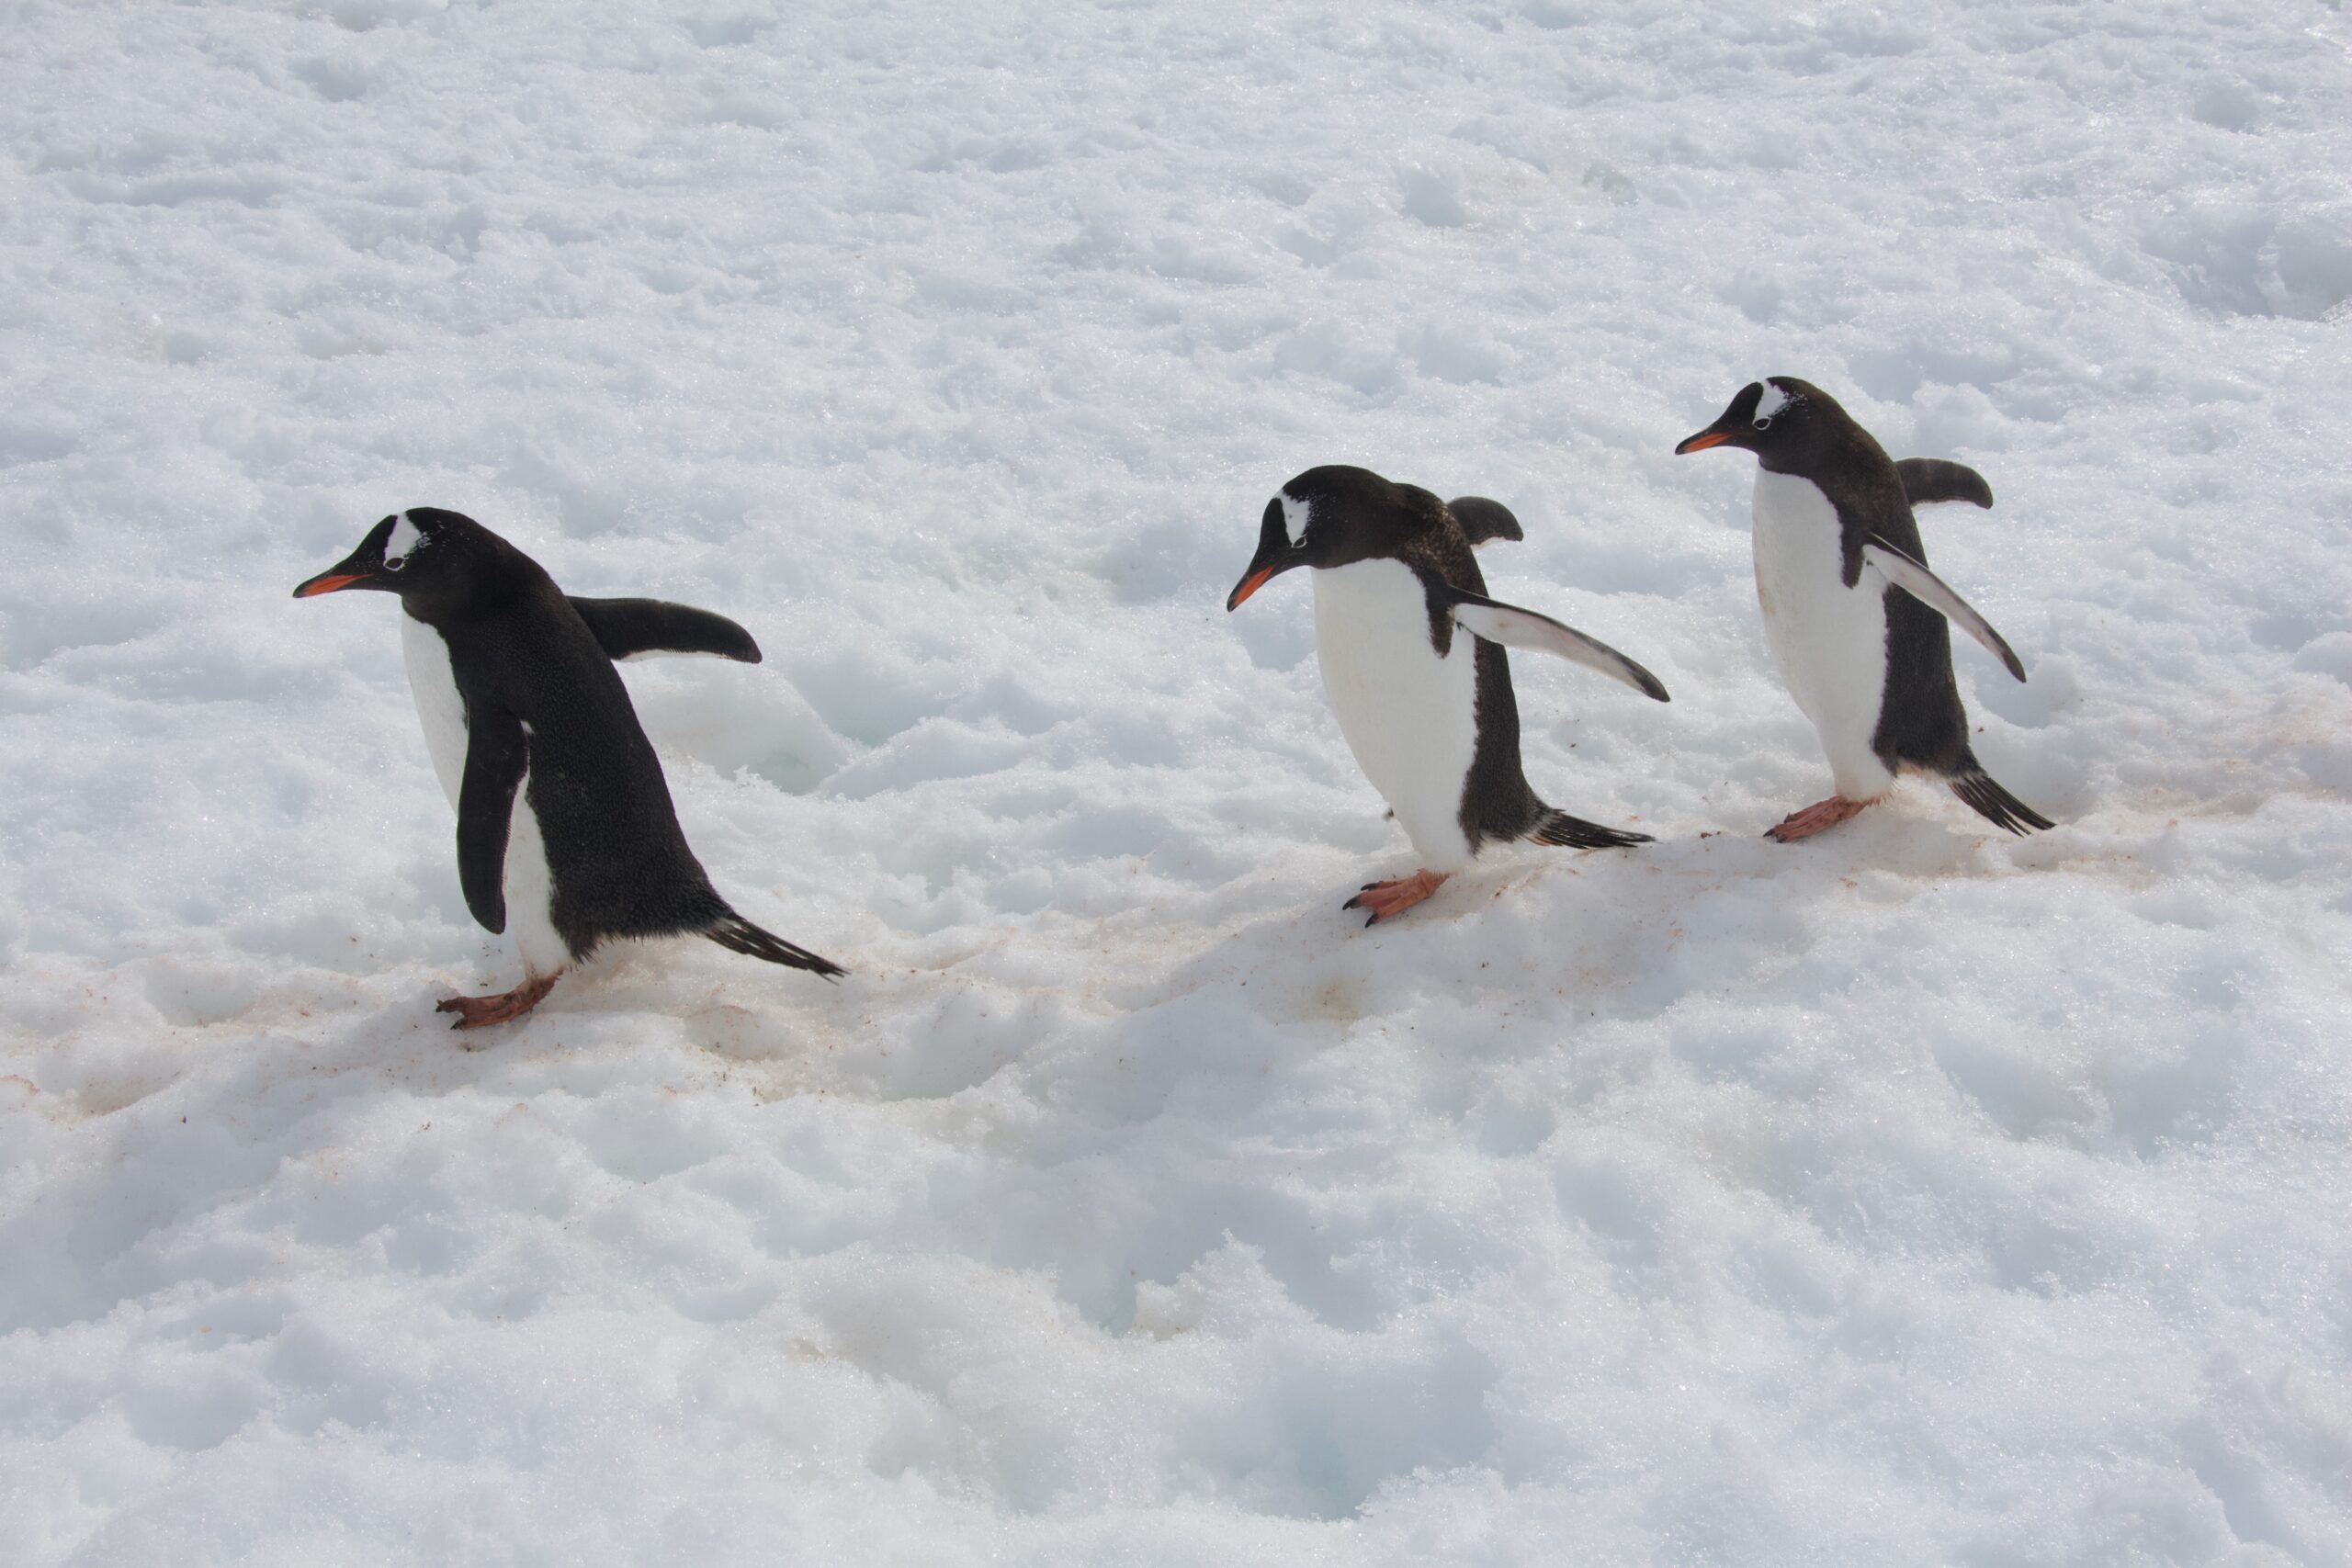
{"x":1483,"y":520}
{"x":1934,"y":593}
{"x":495,"y":760}
{"x":1926,"y":480}
{"x":631,"y":629}
{"x":1515,"y":627}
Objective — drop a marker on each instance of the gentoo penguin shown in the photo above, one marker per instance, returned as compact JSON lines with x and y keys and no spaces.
{"x":1412,"y":656}
{"x":1856,"y":621}
{"x":564,"y":823}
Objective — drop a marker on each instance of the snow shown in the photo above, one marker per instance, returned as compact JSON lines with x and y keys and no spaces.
{"x":1910,"y":1195}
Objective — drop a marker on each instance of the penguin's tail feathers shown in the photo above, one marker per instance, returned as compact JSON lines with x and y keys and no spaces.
{"x":1576,"y":833}
{"x":737,"y":934}
{"x":1992,"y":803}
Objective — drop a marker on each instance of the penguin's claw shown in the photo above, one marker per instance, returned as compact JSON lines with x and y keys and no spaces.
{"x":1394,"y":896}
{"x":477,"y":1013}
{"x":1820,"y":815}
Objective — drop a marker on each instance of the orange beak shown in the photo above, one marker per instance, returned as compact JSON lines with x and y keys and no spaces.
{"x":1248,"y":585}
{"x":326,"y":584}
{"x":1702,"y":441}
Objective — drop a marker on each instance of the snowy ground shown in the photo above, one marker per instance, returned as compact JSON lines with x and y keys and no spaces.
{"x":1911,"y":1196}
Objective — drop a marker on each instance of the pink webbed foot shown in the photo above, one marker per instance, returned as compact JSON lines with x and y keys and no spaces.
{"x":1394,"y":896}
{"x":1821,"y":814}
{"x":477,"y":1012}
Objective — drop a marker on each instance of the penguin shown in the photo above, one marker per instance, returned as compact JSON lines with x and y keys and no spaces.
{"x":565,"y":828}
{"x":1858,"y":625}
{"x":1411,"y":651}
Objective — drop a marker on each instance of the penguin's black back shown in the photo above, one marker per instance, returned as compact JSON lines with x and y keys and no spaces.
{"x":618,"y":859}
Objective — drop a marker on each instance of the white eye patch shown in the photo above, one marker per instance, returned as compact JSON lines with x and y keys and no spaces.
{"x":1773,"y":403}
{"x":404,"y":538}
{"x":1296,"y":515}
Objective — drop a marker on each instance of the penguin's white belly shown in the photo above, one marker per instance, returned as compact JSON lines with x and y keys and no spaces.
{"x":1828,"y":641}
{"x":1409,"y":717}
{"x":439,"y":709}
{"x":530,"y":891}
{"x":528,"y":883}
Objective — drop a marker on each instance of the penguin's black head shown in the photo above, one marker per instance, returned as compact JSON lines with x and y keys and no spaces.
{"x":1776,"y":419}
{"x":423,"y":555}
{"x":1331,"y":516}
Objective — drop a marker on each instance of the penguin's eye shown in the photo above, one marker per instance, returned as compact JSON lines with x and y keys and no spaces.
{"x":1764,"y":423}
{"x":1296,"y":516}
{"x":401,"y":542}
